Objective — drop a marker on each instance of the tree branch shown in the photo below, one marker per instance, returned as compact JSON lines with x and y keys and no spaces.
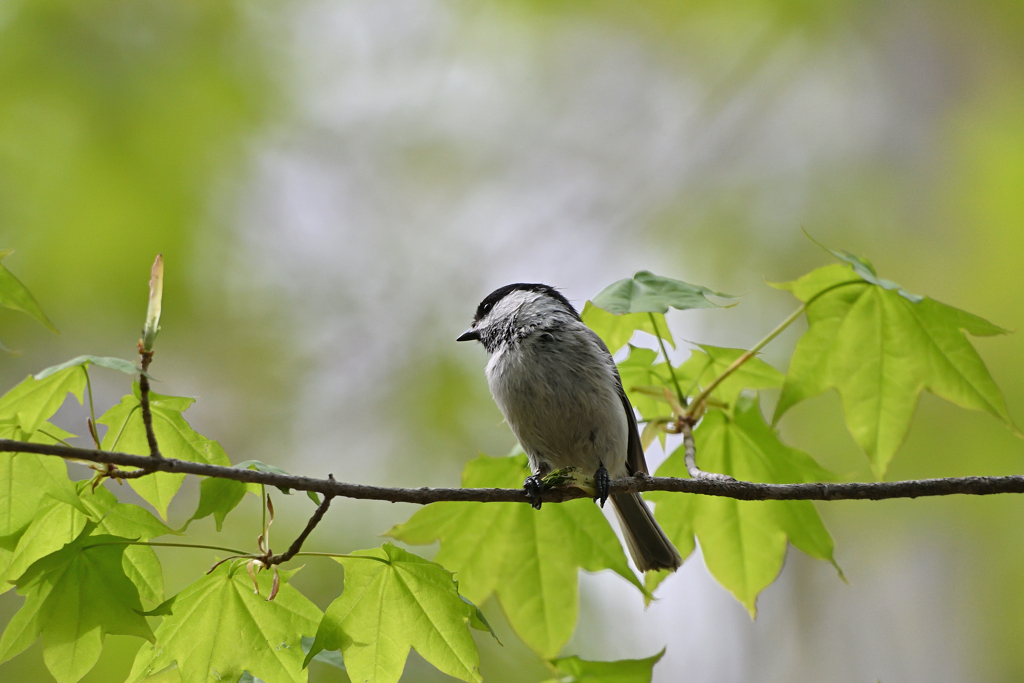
{"x":690,"y":454}
{"x":740,"y":490}
{"x":147,"y":415}
{"x":296,"y":545}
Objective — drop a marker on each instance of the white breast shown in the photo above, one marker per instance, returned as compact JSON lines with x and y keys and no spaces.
{"x":559,"y":396}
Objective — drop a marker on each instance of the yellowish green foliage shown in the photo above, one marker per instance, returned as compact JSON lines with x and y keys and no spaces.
{"x":880,"y":347}
{"x":529,"y":559}
{"x":218,"y":627}
{"x":394,"y":601}
{"x":743,"y":542}
{"x":127,"y":433}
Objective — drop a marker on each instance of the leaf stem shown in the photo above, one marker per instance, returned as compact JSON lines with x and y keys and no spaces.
{"x":668,"y":361}
{"x":178,"y":545}
{"x":736,"y":364}
{"x":342,"y":555}
{"x":55,"y":438}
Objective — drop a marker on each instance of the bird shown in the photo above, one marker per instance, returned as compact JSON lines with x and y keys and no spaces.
{"x":559,"y":390}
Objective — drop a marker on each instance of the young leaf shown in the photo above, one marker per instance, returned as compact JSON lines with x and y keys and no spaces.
{"x":530,"y":559}
{"x":259,"y":466}
{"x":156,"y":295}
{"x":647,"y":292}
{"x":392,"y":602}
{"x":16,"y":296}
{"x":218,"y":627}
{"x":73,"y":598}
{"x":616,"y":330}
{"x":127,"y":433}
{"x":55,"y":525}
{"x":218,"y":497}
{"x":29,"y":479}
{"x":127,"y":521}
{"x":879,"y":349}
{"x":119,"y":364}
{"x":743,"y":542}
{"x":142,"y":567}
{"x":576,"y":670}
{"x":866,"y":271}
{"x":120,"y":519}
{"x":329,"y":657}
{"x":706,"y":365}
{"x":35,"y":401}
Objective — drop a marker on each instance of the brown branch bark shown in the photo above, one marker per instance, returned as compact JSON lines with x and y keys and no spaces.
{"x":147,"y":414}
{"x":296,"y":545}
{"x":740,"y":490}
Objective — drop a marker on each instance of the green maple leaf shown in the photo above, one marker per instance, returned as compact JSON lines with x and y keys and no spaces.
{"x":73,"y":598}
{"x":576,"y":670}
{"x":218,"y":627}
{"x":616,"y":330}
{"x":218,"y":497}
{"x":34,"y":401}
{"x":331,"y":658}
{"x":175,"y":437}
{"x":27,"y":480}
{"x":394,"y":601}
{"x":647,"y":292}
{"x":743,"y":542}
{"x":127,"y":521}
{"x":55,"y":525}
{"x":15,"y":296}
{"x":879,"y":348}
{"x":702,"y":367}
{"x":126,"y":366}
{"x":120,"y":519}
{"x":530,"y":559}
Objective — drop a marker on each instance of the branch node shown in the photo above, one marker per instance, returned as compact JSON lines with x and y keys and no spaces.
{"x":690,"y":454}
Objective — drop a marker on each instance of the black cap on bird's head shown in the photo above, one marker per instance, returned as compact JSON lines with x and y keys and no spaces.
{"x":492,"y":300}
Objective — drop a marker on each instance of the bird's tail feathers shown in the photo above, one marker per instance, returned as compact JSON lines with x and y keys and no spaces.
{"x":647,"y":543}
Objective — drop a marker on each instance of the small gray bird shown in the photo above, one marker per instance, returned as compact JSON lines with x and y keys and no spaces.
{"x":559,"y":390}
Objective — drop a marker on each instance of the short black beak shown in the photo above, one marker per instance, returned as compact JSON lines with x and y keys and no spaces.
{"x":469,"y":335}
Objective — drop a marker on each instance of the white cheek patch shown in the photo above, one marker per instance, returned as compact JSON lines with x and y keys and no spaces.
{"x":508,"y":307}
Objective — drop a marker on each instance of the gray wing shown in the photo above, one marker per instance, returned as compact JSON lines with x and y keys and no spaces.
{"x":635,"y":461}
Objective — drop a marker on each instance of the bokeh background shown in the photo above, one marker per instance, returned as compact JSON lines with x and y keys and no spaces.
{"x":335,"y":185}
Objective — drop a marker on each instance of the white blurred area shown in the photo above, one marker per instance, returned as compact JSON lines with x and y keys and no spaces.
{"x":438,"y":150}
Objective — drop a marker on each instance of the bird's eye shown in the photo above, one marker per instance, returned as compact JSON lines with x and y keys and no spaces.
{"x":486,"y":308}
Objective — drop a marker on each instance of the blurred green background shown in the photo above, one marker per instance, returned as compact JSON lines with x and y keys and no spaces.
{"x":335,"y":185}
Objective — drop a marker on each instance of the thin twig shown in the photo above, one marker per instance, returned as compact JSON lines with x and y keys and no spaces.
{"x":147,"y":415}
{"x":690,"y":455}
{"x":736,"y":364}
{"x":296,"y":545}
{"x":740,"y":490}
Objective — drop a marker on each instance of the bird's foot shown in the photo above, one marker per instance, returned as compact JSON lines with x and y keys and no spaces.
{"x":561,"y":478}
{"x":534,"y":486}
{"x":602,"y":482}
